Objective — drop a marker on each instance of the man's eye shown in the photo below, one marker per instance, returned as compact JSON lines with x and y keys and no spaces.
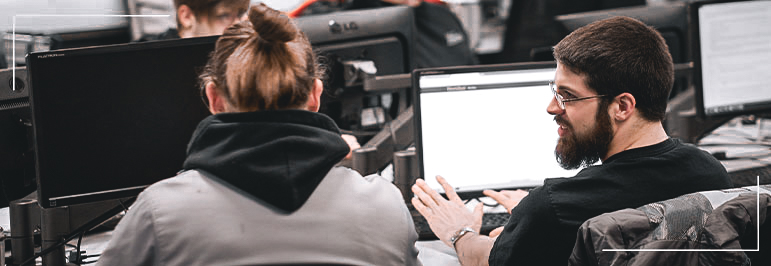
{"x":225,"y":17}
{"x":567,"y":95}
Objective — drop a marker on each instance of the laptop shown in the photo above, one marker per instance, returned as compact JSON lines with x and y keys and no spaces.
{"x":486,"y":127}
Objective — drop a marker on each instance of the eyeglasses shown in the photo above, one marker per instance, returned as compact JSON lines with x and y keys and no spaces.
{"x":562,"y":100}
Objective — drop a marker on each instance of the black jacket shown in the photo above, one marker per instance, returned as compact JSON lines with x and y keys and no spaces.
{"x":703,"y":220}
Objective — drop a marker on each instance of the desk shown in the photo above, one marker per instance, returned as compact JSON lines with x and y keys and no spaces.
{"x":744,"y":150}
{"x":434,"y":252}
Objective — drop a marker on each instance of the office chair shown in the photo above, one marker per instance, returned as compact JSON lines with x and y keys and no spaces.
{"x":723,"y":221}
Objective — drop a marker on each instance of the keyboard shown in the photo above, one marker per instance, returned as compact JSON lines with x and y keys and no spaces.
{"x":490,"y":221}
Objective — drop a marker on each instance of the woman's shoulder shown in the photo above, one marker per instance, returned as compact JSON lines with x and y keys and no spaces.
{"x":374,"y":183}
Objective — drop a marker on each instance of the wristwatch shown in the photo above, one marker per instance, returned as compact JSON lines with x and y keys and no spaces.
{"x":460,"y":233}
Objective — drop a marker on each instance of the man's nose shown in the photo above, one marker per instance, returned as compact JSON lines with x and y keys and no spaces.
{"x":554,"y":108}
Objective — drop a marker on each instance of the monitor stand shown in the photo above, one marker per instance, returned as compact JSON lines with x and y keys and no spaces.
{"x":57,"y":226}
{"x":684,"y":123}
{"x":379,"y":151}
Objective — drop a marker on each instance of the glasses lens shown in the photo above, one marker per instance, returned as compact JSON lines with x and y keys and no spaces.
{"x":556,"y":95}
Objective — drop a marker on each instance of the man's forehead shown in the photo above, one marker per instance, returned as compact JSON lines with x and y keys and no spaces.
{"x":568,"y":79}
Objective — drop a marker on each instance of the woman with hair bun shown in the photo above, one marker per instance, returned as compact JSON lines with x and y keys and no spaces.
{"x":260,"y":185}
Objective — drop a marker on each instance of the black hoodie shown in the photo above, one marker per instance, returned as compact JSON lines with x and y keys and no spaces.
{"x":279,"y":157}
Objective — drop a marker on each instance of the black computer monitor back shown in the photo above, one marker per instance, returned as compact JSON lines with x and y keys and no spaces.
{"x":17,"y":177}
{"x":109,"y":121}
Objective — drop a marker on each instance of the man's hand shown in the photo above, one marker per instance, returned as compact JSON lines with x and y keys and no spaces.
{"x":496,"y":232}
{"x":445,"y":217}
{"x":508,"y":198}
{"x":352,"y":144}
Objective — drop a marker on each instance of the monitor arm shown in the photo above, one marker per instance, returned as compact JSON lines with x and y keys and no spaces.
{"x":379,"y":151}
{"x":364,"y":72}
{"x":57,"y":226}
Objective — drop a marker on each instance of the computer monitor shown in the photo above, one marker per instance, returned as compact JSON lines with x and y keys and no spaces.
{"x":486,"y":127}
{"x":731,"y":57}
{"x":111,"y":120}
{"x":669,"y":19}
{"x":364,"y":52}
{"x":17,"y":171}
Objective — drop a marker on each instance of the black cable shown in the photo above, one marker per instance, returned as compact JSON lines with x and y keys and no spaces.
{"x":78,"y":260}
{"x":44,"y":252}
{"x":81,"y":230}
{"x":54,"y":247}
{"x":490,"y":205}
{"x":496,"y":204}
{"x":125,"y":209}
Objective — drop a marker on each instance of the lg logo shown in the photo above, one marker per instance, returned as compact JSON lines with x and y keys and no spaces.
{"x":336,"y":27}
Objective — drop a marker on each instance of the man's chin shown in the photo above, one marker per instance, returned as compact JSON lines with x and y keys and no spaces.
{"x":562,"y":145}
{"x":569,"y":161}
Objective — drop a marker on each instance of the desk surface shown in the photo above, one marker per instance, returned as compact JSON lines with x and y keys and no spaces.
{"x":746,"y":149}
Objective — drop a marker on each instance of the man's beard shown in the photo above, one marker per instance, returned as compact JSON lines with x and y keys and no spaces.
{"x":575,"y":151}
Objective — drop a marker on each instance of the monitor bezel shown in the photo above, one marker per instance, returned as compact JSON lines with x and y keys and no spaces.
{"x":695,"y":40}
{"x":41,"y":175}
{"x":416,"y":75}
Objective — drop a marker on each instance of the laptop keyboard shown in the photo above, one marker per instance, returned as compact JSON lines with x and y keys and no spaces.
{"x":490,"y":221}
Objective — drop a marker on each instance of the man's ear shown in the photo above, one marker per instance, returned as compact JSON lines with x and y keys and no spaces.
{"x":186,"y":18}
{"x":216,"y":102}
{"x":314,"y":100}
{"x":623,"y":106}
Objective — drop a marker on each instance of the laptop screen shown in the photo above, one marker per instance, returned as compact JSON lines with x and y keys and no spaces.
{"x":486,"y":127}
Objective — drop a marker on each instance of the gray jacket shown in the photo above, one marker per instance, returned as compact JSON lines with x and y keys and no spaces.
{"x":196,"y":219}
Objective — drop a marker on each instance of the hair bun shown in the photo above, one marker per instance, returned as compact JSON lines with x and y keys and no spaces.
{"x":272,"y":26}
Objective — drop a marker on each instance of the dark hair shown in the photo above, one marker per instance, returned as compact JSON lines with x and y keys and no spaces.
{"x":203,"y":8}
{"x":265,"y":63}
{"x":618,"y":55}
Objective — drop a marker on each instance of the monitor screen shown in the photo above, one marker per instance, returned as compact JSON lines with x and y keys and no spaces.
{"x":731,"y":57}
{"x":109,"y":121}
{"x":486,"y":127}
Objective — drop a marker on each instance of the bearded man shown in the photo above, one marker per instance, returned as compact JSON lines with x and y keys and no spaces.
{"x":611,"y":87}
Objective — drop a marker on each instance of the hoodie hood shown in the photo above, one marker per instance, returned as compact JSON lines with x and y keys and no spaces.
{"x":279,"y":157}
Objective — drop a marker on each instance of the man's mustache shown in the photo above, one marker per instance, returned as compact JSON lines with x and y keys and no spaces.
{"x":561,"y":121}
